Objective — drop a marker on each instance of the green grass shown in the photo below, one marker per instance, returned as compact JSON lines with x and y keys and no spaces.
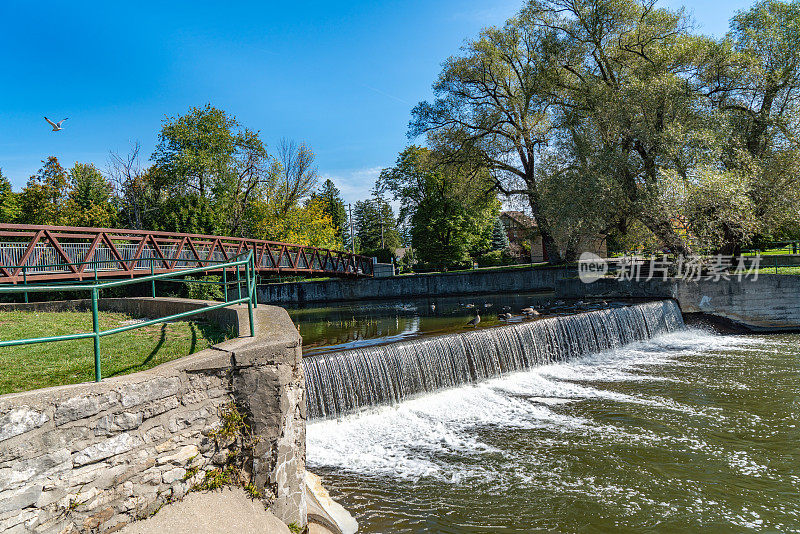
{"x":542,"y":265}
{"x":781,"y":270}
{"x":41,"y":365}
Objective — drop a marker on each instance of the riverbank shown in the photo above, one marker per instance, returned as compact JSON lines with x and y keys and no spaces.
{"x":477,"y":282}
{"x":768,"y":303}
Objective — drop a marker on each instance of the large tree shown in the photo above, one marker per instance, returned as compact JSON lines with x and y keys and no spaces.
{"x":375,"y":225}
{"x":43,"y":199}
{"x":758,"y":89}
{"x":621,"y":74}
{"x":691,"y":137}
{"x":9,"y":201}
{"x":209,"y":168}
{"x":493,"y":107}
{"x":90,"y":199}
{"x":332,"y":204}
{"x":449,"y":207}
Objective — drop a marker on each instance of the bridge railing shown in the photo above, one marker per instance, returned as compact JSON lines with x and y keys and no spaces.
{"x":242,"y":262}
{"x":37,"y":252}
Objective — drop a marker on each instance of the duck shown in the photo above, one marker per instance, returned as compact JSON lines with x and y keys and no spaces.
{"x":504,"y":316}
{"x":530,"y":312}
{"x":474,"y":321}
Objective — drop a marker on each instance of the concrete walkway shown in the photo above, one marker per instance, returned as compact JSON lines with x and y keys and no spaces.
{"x":228,"y":511}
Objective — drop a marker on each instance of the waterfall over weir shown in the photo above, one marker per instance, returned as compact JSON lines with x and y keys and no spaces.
{"x":343,"y":382}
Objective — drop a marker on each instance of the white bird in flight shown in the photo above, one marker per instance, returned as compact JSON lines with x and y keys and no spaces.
{"x":56,"y":126}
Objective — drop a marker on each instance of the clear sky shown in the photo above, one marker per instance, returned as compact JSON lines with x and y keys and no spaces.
{"x":342,"y":76}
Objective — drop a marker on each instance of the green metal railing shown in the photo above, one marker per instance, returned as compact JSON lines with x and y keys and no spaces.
{"x":237,"y":265}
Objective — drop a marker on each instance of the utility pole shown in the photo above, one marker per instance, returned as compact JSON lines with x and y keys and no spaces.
{"x":352,"y":234}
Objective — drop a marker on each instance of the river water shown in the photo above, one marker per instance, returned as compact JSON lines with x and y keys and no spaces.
{"x":688,"y":432}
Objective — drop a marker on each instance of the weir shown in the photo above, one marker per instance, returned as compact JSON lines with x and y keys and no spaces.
{"x":343,"y":382}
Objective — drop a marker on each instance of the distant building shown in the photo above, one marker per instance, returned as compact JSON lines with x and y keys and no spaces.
{"x":526,"y":241}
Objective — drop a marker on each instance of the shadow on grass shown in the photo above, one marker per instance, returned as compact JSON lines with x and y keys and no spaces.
{"x":213,"y":333}
{"x":161,"y":339}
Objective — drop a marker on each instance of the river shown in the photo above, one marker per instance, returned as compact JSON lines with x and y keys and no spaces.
{"x":690,"y":431}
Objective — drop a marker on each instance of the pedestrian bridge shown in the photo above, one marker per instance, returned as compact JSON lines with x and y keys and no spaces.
{"x":34,"y":253}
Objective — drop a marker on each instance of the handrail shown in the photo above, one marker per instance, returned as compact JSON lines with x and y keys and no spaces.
{"x":95,"y":288}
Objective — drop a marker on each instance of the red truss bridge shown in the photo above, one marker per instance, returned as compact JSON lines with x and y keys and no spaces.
{"x":33,"y":253}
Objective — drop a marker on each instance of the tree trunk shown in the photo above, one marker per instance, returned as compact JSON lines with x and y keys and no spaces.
{"x":665,"y":232}
{"x":551,"y":251}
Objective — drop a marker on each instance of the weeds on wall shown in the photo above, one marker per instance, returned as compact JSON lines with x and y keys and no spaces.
{"x":235,"y":434}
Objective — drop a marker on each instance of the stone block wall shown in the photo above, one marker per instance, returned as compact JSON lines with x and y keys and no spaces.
{"x":94,"y":457}
{"x":769,"y":303}
{"x":479,"y":281}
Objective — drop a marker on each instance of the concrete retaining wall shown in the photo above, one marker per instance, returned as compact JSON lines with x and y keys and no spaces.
{"x":92,"y":457}
{"x":421,"y":285}
{"x":770,"y":303}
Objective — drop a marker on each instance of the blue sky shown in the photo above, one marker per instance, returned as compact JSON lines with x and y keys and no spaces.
{"x":342,"y":76}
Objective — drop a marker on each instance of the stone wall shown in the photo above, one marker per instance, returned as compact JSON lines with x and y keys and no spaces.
{"x":422,"y":285}
{"x":769,"y":303}
{"x":92,"y":457}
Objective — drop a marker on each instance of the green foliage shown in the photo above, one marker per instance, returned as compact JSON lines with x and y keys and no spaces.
{"x":208,"y":167}
{"x":491,"y":259}
{"x":90,"y":200}
{"x":384,"y":255}
{"x":253,"y":491}
{"x":446,"y":206}
{"x":205,"y":291}
{"x":233,"y":425}
{"x":333,"y":206}
{"x":9,"y":201}
{"x":375,"y":224}
{"x":217,"y":478}
{"x":591,"y":107}
{"x":43,"y":198}
{"x":499,"y":236}
{"x":191,"y":472}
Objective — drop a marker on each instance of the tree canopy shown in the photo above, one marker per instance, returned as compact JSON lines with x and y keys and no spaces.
{"x":610,"y":114}
{"x":448,"y":207}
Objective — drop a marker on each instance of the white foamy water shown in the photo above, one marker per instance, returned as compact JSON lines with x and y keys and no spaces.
{"x":407,"y":440}
{"x":687,"y":432}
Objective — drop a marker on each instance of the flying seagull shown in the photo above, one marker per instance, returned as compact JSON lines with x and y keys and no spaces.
{"x":56,"y":126}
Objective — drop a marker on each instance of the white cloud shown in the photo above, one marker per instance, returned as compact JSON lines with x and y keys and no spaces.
{"x":355,"y":184}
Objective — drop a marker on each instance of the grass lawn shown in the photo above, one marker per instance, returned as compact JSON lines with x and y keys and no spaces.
{"x":771,"y":251}
{"x":41,"y":365}
{"x":795,"y":269}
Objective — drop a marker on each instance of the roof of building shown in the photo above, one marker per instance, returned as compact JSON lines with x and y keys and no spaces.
{"x":520,"y":218}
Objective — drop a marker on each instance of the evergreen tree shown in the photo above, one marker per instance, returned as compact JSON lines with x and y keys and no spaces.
{"x":90,"y":199}
{"x":43,"y":198}
{"x":9,"y":201}
{"x":446,"y":206}
{"x":375,"y":225}
{"x":333,"y":206}
{"x":499,"y":236}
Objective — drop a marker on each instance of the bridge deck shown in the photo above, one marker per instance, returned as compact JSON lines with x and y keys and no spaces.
{"x":36,"y":253}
